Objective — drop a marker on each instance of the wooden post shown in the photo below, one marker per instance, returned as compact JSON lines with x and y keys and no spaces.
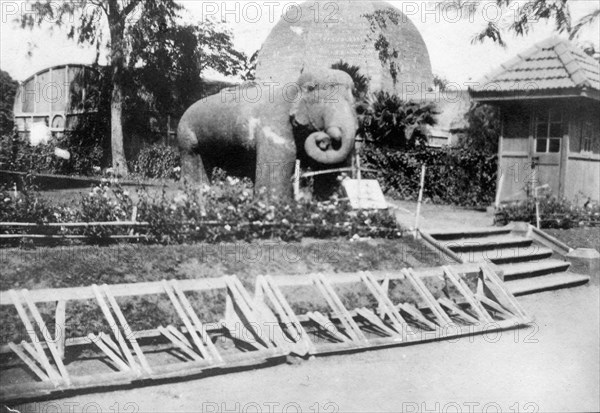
{"x":537,"y":208}
{"x":418,"y":213}
{"x":133,"y":219}
{"x":499,"y":190}
{"x":297,"y":172}
{"x":358,"y":176}
{"x":60,"y":328}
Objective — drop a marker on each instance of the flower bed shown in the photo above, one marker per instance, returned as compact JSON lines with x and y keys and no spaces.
{"x":227,"y":211}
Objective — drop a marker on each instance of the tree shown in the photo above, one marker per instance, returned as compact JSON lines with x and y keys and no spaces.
{"x":525,"y":17}
{"x":483,"y":131}
{"x":8,"y":90}
{"x":167,"y":61}
{"x":92,"y":22}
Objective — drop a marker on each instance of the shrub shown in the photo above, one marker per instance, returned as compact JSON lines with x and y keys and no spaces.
{"x":158,"y":161}
{"x":554,"y":213}
{"x":454,"y":176}
{"x":387,"y":120}
{"x":18,"y":155}
{"x":225,"y":212}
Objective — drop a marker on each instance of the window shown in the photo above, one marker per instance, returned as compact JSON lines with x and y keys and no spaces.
{"x":586,"y":137}
{"x":548,"y":131}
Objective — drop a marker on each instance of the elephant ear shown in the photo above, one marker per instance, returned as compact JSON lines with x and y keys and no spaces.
{"x":299,"y":113}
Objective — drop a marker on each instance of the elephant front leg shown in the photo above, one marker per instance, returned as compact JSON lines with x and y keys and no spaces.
{"x":275,"y":160}
{"x":192,"y":168}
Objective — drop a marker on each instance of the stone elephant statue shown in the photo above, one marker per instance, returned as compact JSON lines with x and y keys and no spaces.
{"x":259,"y":130}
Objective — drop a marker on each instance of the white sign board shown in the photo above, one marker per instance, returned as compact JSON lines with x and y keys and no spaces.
{"x":364,"y":194}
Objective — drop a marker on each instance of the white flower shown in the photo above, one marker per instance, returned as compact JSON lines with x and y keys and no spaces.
{"x":227,"y":228}
{"x":177,"y":169}
{"x":285,"y":221}
{"x":6,"y":199}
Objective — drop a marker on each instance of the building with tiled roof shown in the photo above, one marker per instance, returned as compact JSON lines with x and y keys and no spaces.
{"x":549,"y":99}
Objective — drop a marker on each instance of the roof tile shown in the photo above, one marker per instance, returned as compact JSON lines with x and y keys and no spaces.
{"x":551,"y":64}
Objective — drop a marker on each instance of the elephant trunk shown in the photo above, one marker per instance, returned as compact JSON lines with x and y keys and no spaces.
{"x":330,"y":147}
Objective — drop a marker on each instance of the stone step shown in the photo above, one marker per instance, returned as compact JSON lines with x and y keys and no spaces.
{"x":507,"y":255}
{"x":488,"y":243}
{"x":547,"y":283}
{"x":533,"y":268}
{"x":469,"y":233}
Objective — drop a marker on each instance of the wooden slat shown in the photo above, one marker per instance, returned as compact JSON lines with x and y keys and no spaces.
{"x":416,"y":315}
{"x":127,"y":329}
{"x":348,"y":330}
{"x":398,"y":323}
{"x":457,"y":310}
{"x":52,"y":374}
{"x":186,"y":321}
{"x":29,"y":362}
{"x":197,"y":324}
{"x":277,"y":296}
{"x":109,"y":351}
{"x":464,"y":290}
{"x":434,"y":306}
{"x":328,"y":326}
{"x":376,"y":321}
{"x":338,"y":307}
{"x":179,"y":344}
{"x":60,"y":327}
{"x":115,"y":329}
{"x":494,"y":306}
{"x":246,"y":314}
{"x":491,"y":276}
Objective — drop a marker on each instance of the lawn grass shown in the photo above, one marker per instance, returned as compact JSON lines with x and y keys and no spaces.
{"x":577,"y":237}
{"x":83,"y":266}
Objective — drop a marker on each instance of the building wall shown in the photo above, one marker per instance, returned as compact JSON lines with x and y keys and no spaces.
{"x":582,"y":177}
{"x":515,"y":161}
{"x":573,"y":172}
{"x":55,"y":97}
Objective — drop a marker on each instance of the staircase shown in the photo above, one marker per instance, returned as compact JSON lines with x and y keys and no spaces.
{"x":528,"y":266}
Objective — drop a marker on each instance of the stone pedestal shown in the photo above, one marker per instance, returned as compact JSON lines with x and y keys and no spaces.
{"x":585,"y":260}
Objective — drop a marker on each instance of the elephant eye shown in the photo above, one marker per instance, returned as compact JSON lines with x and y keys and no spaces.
{"x":311,"y":87}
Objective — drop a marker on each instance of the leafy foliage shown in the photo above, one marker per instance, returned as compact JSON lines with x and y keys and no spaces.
{"x":225,"y":212}
{"x":361,"y":82}
{"x":8,"y":90}
{"x":483,"y":130}
{"x":86,"y":150}
{"x":454,"y":176}
{"x":390,"y":121}
{"x":388,"y":55}
{"x":554,"y":213}
{"x":525,"y":16}
{"x":158,"y":161}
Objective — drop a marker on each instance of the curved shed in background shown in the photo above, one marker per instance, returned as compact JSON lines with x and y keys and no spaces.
{"x":57,"y":97}
{"x":323,"y":33}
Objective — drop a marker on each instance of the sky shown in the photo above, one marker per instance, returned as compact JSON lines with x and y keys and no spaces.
{"x":448,"y":38}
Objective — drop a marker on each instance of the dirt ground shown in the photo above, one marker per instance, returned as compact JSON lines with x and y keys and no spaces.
{"x":553,"y":365}
{"x":440,"y":217}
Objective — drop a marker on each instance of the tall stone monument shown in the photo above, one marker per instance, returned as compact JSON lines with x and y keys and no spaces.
{"x":372,"y":35}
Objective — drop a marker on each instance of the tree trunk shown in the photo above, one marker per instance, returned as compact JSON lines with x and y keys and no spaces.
{"x":119,"y":163}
